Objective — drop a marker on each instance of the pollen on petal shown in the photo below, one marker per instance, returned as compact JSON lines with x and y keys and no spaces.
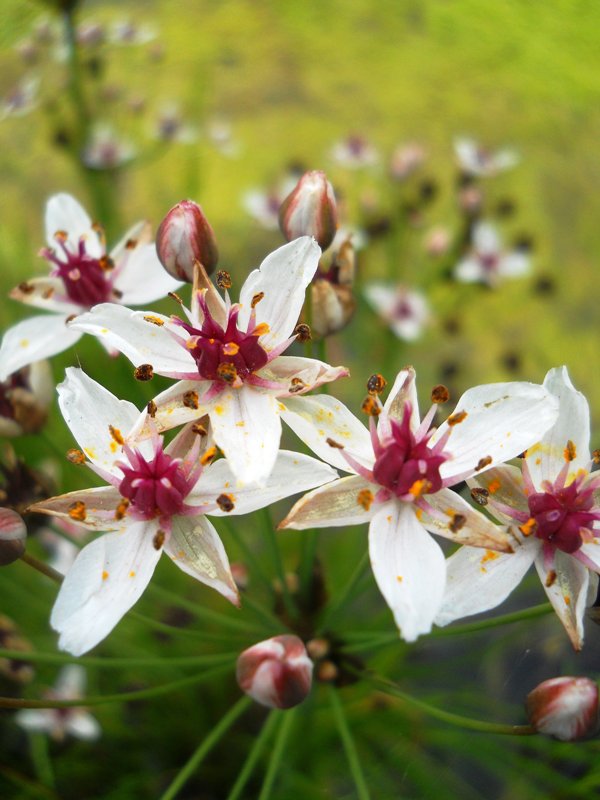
{"x":493,"y":486}
{"x":482,"y":463}
{"x":191,"y":400}
{"x":455,"y":419}
{"x":154,"y":320}
{"x":116,"y":435}
{"x":365,"y":498}
{"x":104,"y":575}
{"x":570,"y":451}
{"x":77,"y":511}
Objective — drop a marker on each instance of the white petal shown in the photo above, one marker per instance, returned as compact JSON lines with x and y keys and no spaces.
{"x":143,"y":278}
{"x":247,"y":428}
{"x":462,"y":523}
{"x":409,"y":568}
{"x":485,"y":239}
{"x":140,"y":234}
{"x":546,"y":459}
{"x":333,"y":505}
{"x":469,"y":270}
{"x":592,"y":551}
{"x":505,"y":488}
{"x":64,"y":213}
{"x":106,"y":580}
{"x":135,"y":335}
{"x":316,"y":419}
{"x":71,"y":682}
{"x":33,"y":719}
{"x":568,"y":592}
{"x":47,"y":293}
{"x":478,"y":579}
{"x":283,"y":277}
{"x":33,"y":339}
{"x":83,"y":726}
{"x":309,"y":371}
{"x":173,"y":407}
{"x":502,"y":420}
{"x":402,"y":392}
{"x":100,"y":506}
{"x":293,"y":473}
{"x":195,"y":546}
{"x":383,"y":298}
{"x":514,"y":265}
{"x":89,"y":410}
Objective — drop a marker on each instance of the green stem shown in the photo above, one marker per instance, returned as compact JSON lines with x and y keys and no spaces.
{"x":445,"y":716}
{"x":45,"y":569}
{"x":308,"y":554}
{"x":118,"y":663}
{"x":98,"y":700}
{"x":248,"y":553}
{"x":277,"y":754}
{"x":253,"y":756}
{"x":205,"y":747}
{"x":172,"y":630}
{"x":26,"y":785}
{"x":362,"y":790}
{"x":271,"y":537}
{"x":346,"y":594}
{"x":494,"y":622}
{"x":270,"y":620}
{"x":40,"y":757}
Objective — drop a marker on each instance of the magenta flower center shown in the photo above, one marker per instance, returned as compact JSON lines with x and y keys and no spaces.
{"x":155,"y":488}
{"x":489,"y":261}
{"x":407,"y":465}
{"x":225,"y":354}
{"x":86,"y":279}
{"x":563,"y":514}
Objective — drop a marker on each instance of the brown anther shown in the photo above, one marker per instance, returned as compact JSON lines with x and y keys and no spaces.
{"x":154,"y":320}
{"x":77,"y":511}
{"x":208,"y":456}
{"x":190,"y":399}
{"x":256,"y":299}
{"x":26,"y":287}
{"x":440,"y":394}
{"x":61,"y":236}
{"x":227,"y":372}
{"x":318,"y":648}
{"x":480,"y":495}
{"x":116,"y":435}
{"x":365,"y":498}
{"x":131,"y":244}
{"x":225,"y":502}
{"x":596,"y":456}
{"x":75,"y":456}
{"x":223,"y":279}
{"x":420,"y":487}
{"x":296,"y":385}
{"x":371,"y":406}
{"x":302,"y":332}
{"x":151,"y":408}
{"x":458,"y":521}
{"x":70,"y":318}
{"x":376,"y":384}
{"x":527,"y":528}
{"x":550,"y":578}
{"x":570,"y":451}
{"x":159,"y":539}
{"x":333,"y":443}
{"x":117,"y":293}
{"x":106,"y":263}
{"x":483,"y":462}
{"x":175,"y":296}
{"x":327,"y":671}
{"x":454,"y":419}
{"x":121,"y":509}
{"x":144,"y":372}
{"x":199,"y":429}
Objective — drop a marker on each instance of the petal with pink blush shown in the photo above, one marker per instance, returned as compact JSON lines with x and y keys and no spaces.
{"x":347,"y":501}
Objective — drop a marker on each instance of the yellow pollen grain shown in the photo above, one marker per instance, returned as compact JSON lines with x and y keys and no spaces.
{"x":24,"y":343}
{"x":113,"y":447}
{"x":365,"y":498}
{"x":527,"y":528}
{"x":570,"y":451}
{"x":104,"y":575}
{"x":116,"y":435}
{"x":419,"y":513}
{"x":90,"y":452}
{"x":493,"y":486}
{"x":154,"y":320}
{"x":240,"y":424}
{"x":132,"y":574}
{"x":421,"y":487}
{"x":567,"y":599}
{"x":219,"y":410}
{"x":489,"y":555}
{"x":399,"y":578}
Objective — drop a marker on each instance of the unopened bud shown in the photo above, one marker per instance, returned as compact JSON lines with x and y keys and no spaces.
{"x":310,"y":210}
{"x":12,"y":536}
{"x":277,"y":672}
{"x":185,"y":237}
{"x":566,"y":708}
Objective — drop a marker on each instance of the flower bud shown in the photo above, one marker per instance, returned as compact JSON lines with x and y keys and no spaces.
{"x":310,"y":210}
{"x":184,"y":237}
{"x":276,"y":673}
{"x":25,"y":397}
{"x":566,"y":708}
{"x":12,"y":536}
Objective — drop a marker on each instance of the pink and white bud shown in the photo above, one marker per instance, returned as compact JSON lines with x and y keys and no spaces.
{"x":310,"y":210}
{"x":277,"y":672}
{"x":12,"y":536}
{"x":185,"y":237}
{"x":566,"y":708}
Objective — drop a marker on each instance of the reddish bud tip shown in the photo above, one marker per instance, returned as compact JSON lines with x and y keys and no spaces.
{"x":566,"y":708}
{"x":310,"y":210}
{"x":277,"y":672}
{"x":12,"y":536}
{"x":184,"y":237}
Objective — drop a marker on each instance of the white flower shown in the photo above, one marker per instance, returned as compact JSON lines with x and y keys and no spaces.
{"x":156,"y":501}
{"x":62,"y":722}
{"x":553,"y":504}
{"x":401,"y":473}
{"x":126,"y":32}
{"x":405,"y":310}
{"x":82,"y":275}
{"x":228,"y":356}
{"x":263,"y":204}
{"x":477,"y":160}
{"x":20,"y":100}
{"x":169,"y":126}
{"x":106,"y":150}
{"x":487,"y":262}
{"x":354,"y":152}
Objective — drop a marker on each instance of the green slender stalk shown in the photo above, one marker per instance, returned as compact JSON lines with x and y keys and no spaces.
{"x":41,"y":759}
{"x":346,"y":594}
{"x":205,"y":747}
{"x":308,"y":554}
{"x":253,"y":756}
{"x":277,"y":754}
{"x":26,"y":785}
{"x":119,"y":663}
{"x":98,"y":700}
{"x":362,"y":789}
{"x":468,"y":723}
{"x":172,"y":630}
{"x":45,"y":569}
{"x":271,"y":538}
{"x":271,"y":621}
{"x":248,"y":553}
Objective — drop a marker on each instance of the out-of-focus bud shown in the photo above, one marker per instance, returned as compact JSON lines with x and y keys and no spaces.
{"x":24,"y":399}
{"x":310,"y":210}
{"x":333,"y":301}
{"x":437,"y":242}
{"x":11,"y":639}
{"x":276,"y":673}
{"x":405,"y":160}
{"x":184,"y":237}
{"x":12,"y":536}
{"x":566,"y":708}
{"x":470,"y":200}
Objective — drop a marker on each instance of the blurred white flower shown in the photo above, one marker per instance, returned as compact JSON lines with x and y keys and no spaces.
{"x":481,"y":162}
{"x":263,"y":204}
{"x":220,"y":134}
{"x":126,"y":32}
{"x":406,"y":159}
{"x":405,"y":310}
{"x":106,"y":150}
{"x":169,"y":126}
{"x":21,"y":99}
{"x":488,"y":262}
{"x":354,"y":152}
